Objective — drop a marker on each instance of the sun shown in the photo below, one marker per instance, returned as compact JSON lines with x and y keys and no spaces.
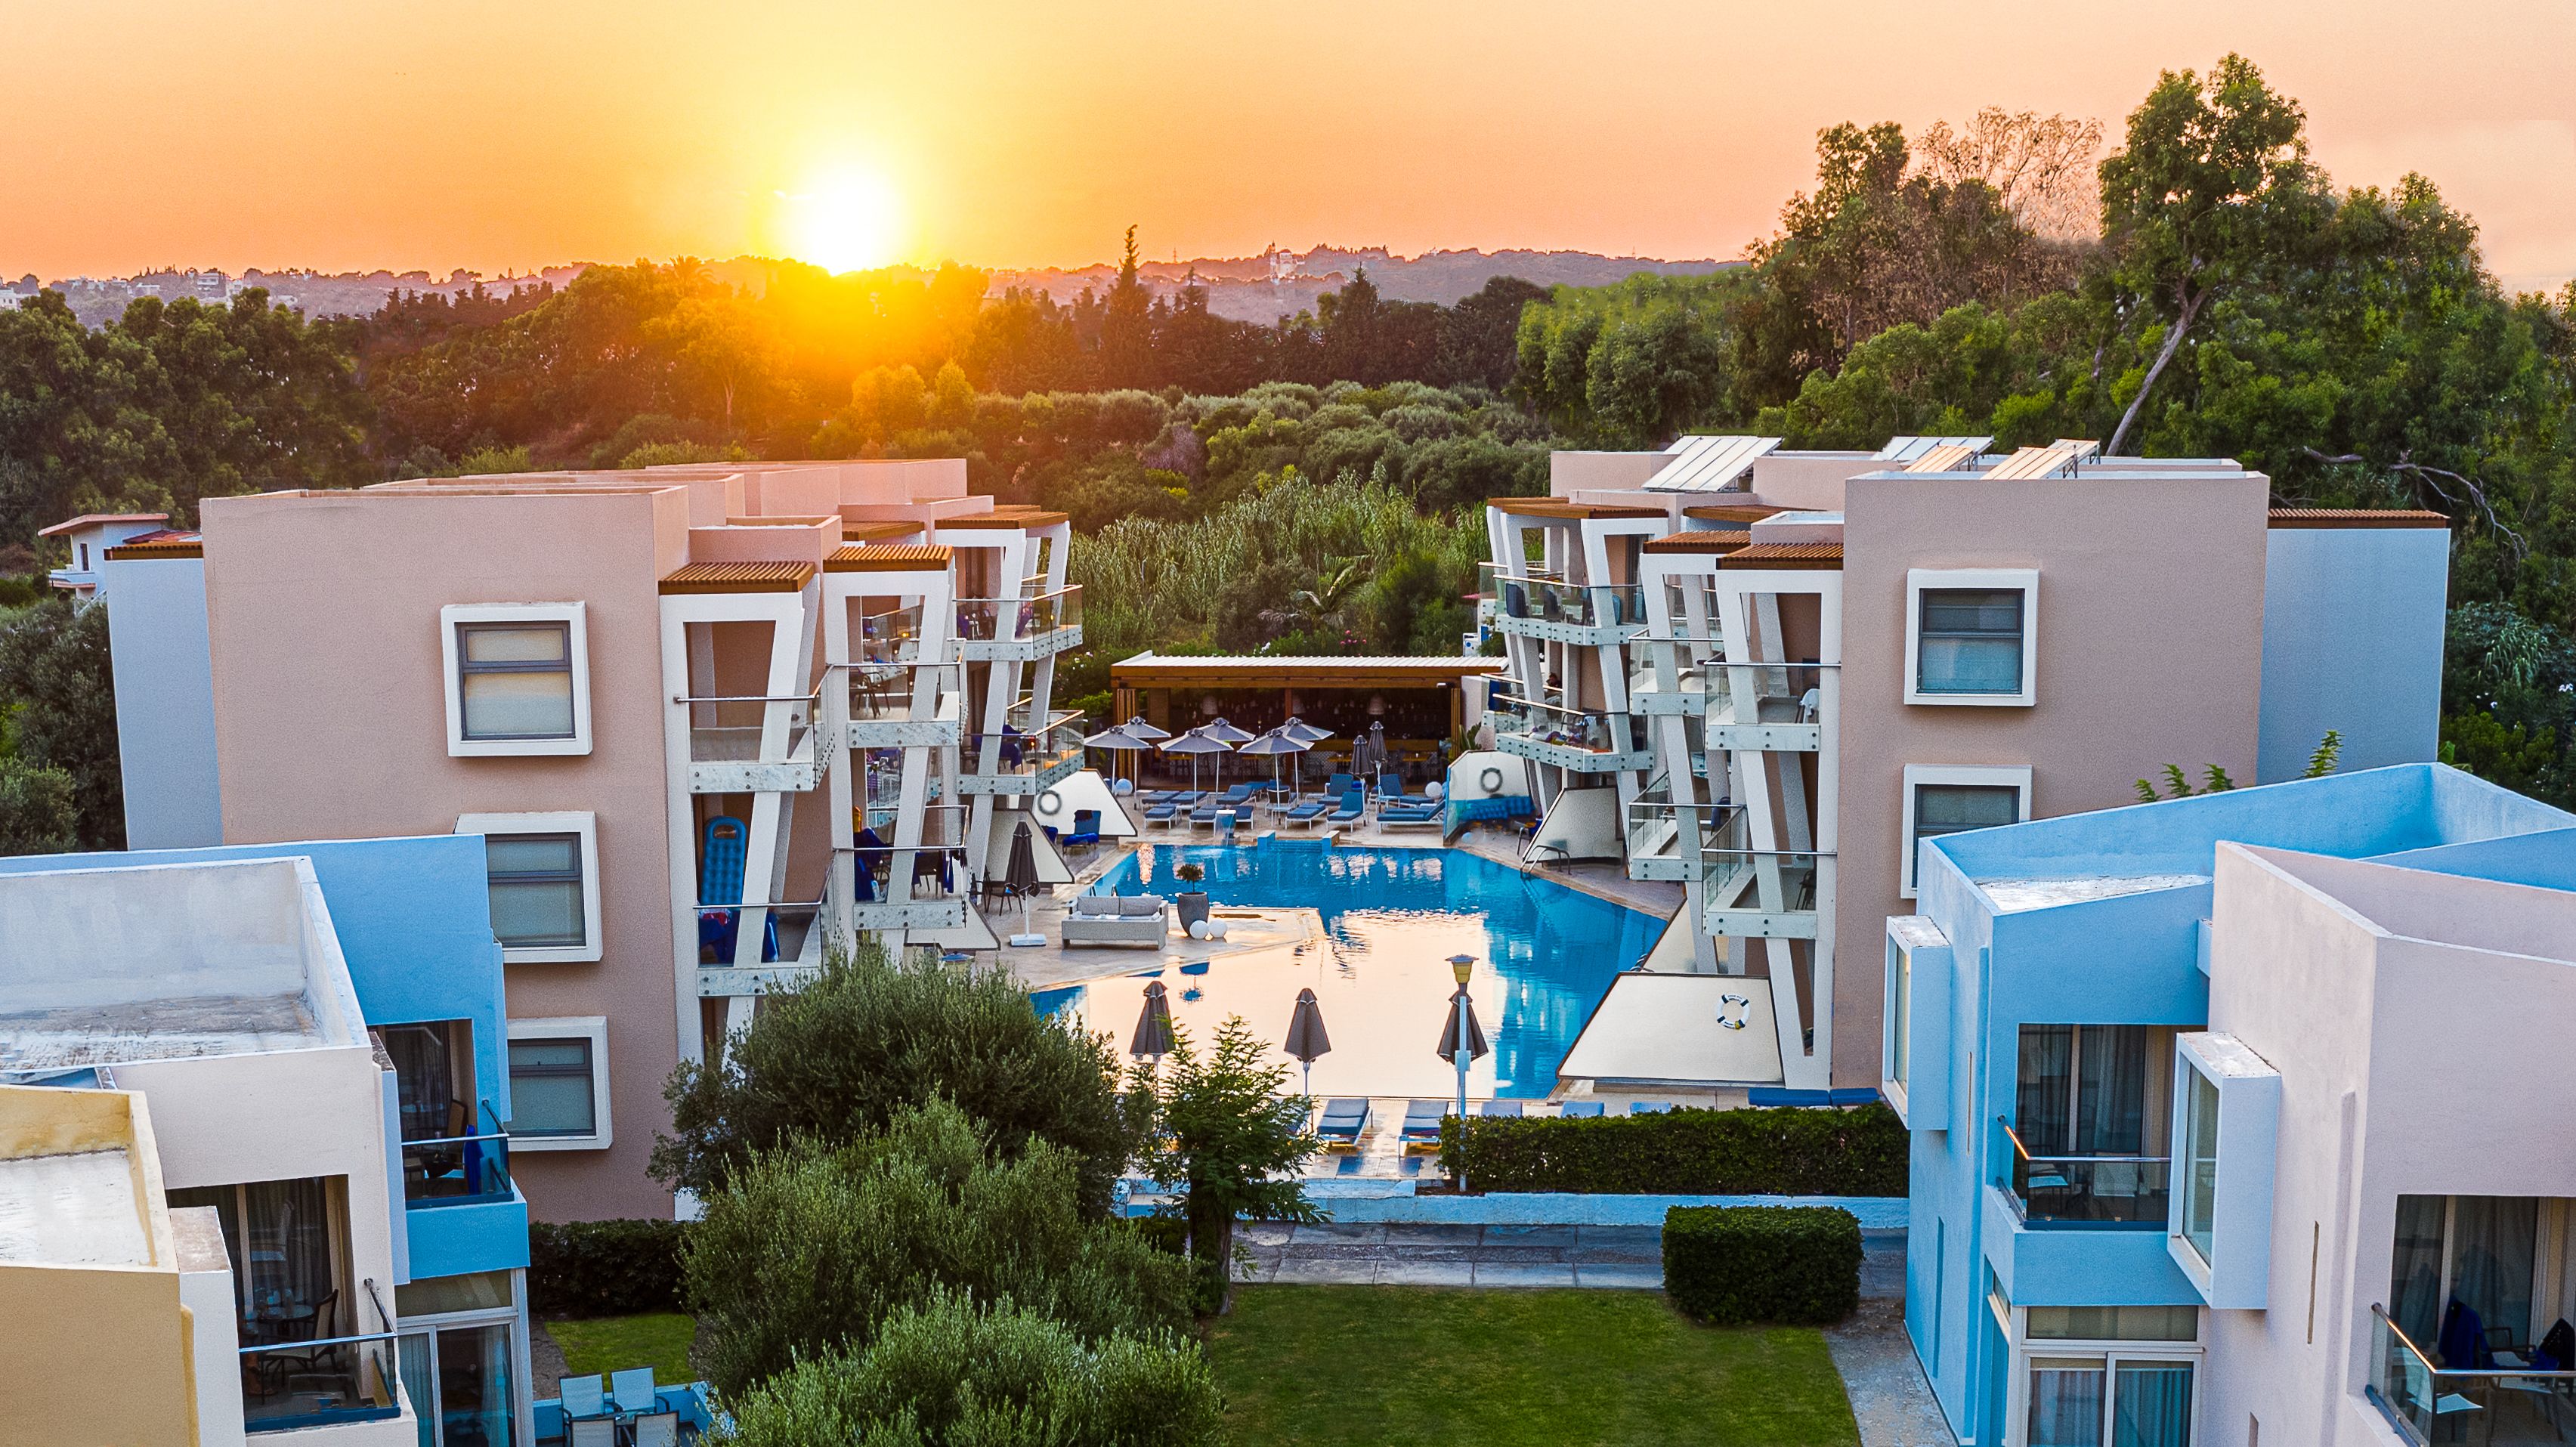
{"x":845,"y":220}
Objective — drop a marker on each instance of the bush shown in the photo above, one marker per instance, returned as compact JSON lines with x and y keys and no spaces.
{"x":604,"y":1268}
{"x":947,"y":1373}
{"x":1786,"y":1152}
{"x":1775,"y":1265}
{"x":808,"y":1250}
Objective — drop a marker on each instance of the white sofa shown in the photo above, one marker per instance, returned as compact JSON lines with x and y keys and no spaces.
{"x":1111,"y":919}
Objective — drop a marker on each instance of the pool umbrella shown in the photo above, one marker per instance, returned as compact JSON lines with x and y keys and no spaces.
{"x":1461,"y":1040}
{"x":1194,"y":743}
{"x":1274,"y":743}
{"x":1020,"y":876}
{"x":1304,"y":732}
{"x":1119,"y":738}
{"x":1225,"y":732}
{"x":1306,"y":1037}
{"x":1143,"y":730}
{"x":1154,"y":1027}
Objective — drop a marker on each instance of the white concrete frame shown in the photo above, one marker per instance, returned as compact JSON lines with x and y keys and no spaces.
{"x":2026,"y":580}
{"x":566,"y":821}
{"x":2014,"y":776}
{"x":593,"y":1028}
{"x":932,"y":589}
{"x":574,"y":614}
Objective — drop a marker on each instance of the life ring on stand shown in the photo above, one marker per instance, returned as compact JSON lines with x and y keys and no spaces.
{"x":1050,"y":803}
{"x":1491,"y":781}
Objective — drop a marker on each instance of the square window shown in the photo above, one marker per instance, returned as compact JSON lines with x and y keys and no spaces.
{"x":2200,"y":1161}
{"x":1969,"y":636}
{"x":1952,"y":799}
{"x":536,"y":889}
{"x":517,"y":678}
{"x":559,"y":1084}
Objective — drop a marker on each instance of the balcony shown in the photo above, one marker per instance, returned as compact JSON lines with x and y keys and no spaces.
{"x":790,"y":935}
{"x":325,"y":1380}
{"x":1763,"y":894}
{"x":903,"y":705}
{"x":1538,"y":605}
{"x":933,"y":876}
{"x":1019,"y":629}
{"x":463,"y":1170}
{"x":461,"y":1210}
{"x":1665,"y":838}
{"x":759,"y":745}
{"x":1585,"y":741}
{"x":2507,"y":1404}
{"x":893,"y":636}
{"x":2127,"y":1193}
{"x":1681,"y":593}
{"x":1768,"y":707}
{"x":1023,"y":760}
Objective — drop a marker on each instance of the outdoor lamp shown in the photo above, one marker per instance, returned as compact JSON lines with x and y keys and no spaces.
{"x":1462,"y":966}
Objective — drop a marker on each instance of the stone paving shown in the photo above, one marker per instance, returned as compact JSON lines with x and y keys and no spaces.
{"x":1359,"y":1254}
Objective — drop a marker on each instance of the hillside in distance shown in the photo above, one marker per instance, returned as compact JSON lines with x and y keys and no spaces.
{"x":1279,"y":283}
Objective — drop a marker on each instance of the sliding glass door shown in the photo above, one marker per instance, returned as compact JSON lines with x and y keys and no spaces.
{"x":2108,"y":1401}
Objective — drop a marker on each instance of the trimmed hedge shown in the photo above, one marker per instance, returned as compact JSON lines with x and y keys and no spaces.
{"x":604,"y":1268}
{"x":1790,"y":1151}
{"x":1772,"y":1265}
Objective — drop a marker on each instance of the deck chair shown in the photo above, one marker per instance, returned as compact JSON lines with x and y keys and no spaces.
{"x":1205,"y":814}
{"x":720,"y":863}
{"x":1343,"y":1118}
{"x":583,"y":1397}
{"x":1422,"y":1121}
{"x":1579,"y":1110}
{"x":1499,"y":1109}
{"x":1650,"y":1107}
{"x":656,"y":1429}
{"x":1086,"y":829}
{"x":632,"y":1390}
{"x":1354,"y":804}
{"x":1307,"y":813}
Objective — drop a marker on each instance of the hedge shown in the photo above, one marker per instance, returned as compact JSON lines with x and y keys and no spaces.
{"x":1774,"y":1265}
{"x":604,"y":1268}
{"x":1790,"y":1151}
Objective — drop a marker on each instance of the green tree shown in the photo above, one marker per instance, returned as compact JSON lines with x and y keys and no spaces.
{"x":39,"y":812}
{"x":1229,"y":1132}
{"x":808,"y":1249}
{"x":951,"y":1374}
{"x":841,"y":1054}
{"x":58,"y":701}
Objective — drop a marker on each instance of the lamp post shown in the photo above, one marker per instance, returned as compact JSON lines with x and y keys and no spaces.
{"x":1461,"y":1041}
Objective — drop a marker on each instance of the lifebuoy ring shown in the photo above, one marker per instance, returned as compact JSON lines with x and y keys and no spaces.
{"x":1050,"y":803}
{"x":1491,"y":781}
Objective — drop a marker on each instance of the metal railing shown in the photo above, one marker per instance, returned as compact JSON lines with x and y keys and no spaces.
{"x":2111,"y":1191}
{"x":2441,"y":1404}
{"x":323,"y":1379}
{"x":1780,"y":692}
{"x":1539,"y":598}
{"x":457,"y":1170}
{"x":1008,"y":620}
{"x":1594,"y":730}
{"x":1679,"y":592}
{"x":1737,"y":877}
{"x":1661,"y":829}
{"x":888,"y":692}
{"x":1027,"y":751}
{"x":782,"y":926}
{"x":934,"y":872}
{"x":889,"y":637}
{"x":755,"y":728}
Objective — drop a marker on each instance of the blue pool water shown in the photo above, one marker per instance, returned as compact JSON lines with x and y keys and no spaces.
{"x":1392,"y":918}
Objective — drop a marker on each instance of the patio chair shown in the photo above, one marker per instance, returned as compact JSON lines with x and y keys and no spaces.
{"x":1422,"y":1121}
{"x":1499,"y":1109}
{"x":656,"y":1429}
{"x":632,"y":1390}
{"x":583,"y":1397}
{"x":1354,"y":804}
{"x":1391,"y":816}
{"x":1310,"y":812}
{"x":1343,"y":1119}
{"x":1579,"y":1110}
{"x":1086,"y":829}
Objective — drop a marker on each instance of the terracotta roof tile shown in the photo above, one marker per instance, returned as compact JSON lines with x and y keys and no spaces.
{"x":767,"y":577}
{"x":879,"y":532}
{"x":1025,"y":518}
{"x":2356,"y":517}
{"x":162,"y":543}
{"x":914,"y":559}
{"x":1701,"y":540}
{"x":1787,"y":555}
{"x":1560,"y":509}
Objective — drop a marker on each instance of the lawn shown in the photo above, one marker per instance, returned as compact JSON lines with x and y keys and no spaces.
{"x":620,"y":1343}
{"x":1424,"y":1367}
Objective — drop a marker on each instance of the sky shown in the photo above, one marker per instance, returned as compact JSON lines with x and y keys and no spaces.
{"x":352,"y":134}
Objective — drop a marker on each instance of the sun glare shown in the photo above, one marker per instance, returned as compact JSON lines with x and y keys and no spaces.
{"x":846,"y":220}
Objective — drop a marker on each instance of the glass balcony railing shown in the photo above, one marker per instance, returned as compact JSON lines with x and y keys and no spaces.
{"x":1590,"y":730}
{"x":2084,"y":1191}
{"x":1540,"y":598}
{"x":457,"y":1170}
{"x":783,"y":928}
{"x":934,"y":872}
{"x":1686,"y":595}
{"x":322,"y":1380}
{"x":1019,"y":620}
{"x":1661,"y":829}
{"x":893,"y":692}
{"x":2506,"y":1402}
{"x":885,"y":638}
{"x":754,"y":729}
{"x":1017,"y":750}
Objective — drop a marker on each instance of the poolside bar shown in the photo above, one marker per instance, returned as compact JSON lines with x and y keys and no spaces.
{"x":1422,"y":702}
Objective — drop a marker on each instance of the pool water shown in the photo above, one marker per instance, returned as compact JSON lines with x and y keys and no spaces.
{"x":1545,"y":955}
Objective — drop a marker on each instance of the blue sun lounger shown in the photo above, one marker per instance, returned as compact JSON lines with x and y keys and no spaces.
{"x":1499,"y":1109}
{"x":1650,"y":1107}
{"x":1422,"y":1121}
{"x":1354,"y":804}
{"x":1157,"y":813}
{"x":1343,"y":1119}
{"x":1306,"y":813}
{"x":1579,"y":1110}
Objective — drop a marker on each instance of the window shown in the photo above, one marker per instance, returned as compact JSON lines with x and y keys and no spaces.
{"x":1969,"y":635}
{"x":1900,"y":1015}
{"x":2090,"y":1401}
{"x":2226,"y":1116}
{"x":281,"y":1234}
{"x":559,"y":1084}
{"x":2200,"y":1161}
{"x":2114,"y":1323}
{"x":517,"y":679}
{"x":1951,"y":799}
{"x":544,"y":872}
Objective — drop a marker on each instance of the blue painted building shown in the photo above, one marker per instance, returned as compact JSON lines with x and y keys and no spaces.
{"x":413,"y":919}
{"x":2033,"y":1014}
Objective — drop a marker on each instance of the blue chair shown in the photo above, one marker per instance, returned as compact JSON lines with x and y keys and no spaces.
{"x":1422,"y":1121}
{"x":1499,"y":1109}
{"x":632,"y":1390}
{"x":1354,"y":804}
{"x":1086,"y":828}
{"x":1579,"y":1110}
{"x":583,"y":1397}
{"x":1157,"y":813}
{"x":1306,"y":813}
{"x":1343,"y":1119}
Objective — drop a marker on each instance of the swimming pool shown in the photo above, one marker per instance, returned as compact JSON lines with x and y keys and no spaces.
{"x":1545,"y":955}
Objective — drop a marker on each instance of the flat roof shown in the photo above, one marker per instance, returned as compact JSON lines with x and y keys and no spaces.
{"x":1701,"y":540}
{"x":1256,"y":670}
{"x":1558,"y":510}
{"x":887,"y":560}
{"x":1786,"y":556}
{"x":88,"y":519}
{"x":2351,"y":517}
{"x":775,"y":577}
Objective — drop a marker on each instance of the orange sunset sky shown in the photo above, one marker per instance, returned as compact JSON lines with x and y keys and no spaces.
{"x":349,"y":134}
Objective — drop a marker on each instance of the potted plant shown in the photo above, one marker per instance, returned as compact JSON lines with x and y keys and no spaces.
{"x":1193,"y":902}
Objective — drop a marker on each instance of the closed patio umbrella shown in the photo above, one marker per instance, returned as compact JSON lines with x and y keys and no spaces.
{"x":1461,"y":1039}
{"x":1306,"y":1037}
{"x":1020,"y":875}
{"x":1154,"y":1027}
{"x":1274,"y":743}
{"x":1194,"y":743}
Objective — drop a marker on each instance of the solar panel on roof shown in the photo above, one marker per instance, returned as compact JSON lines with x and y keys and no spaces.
{"x":1908,"y":448}
{"x":1709,"y":464}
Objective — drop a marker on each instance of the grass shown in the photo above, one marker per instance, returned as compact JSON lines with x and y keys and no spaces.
{"x":1423,"y":1367}
{"x":659,"y":1340}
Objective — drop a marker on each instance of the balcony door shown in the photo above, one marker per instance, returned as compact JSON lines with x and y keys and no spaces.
{"x":2464,"y":1271}
{"x":2109,"y":1400}
{"x":2094,"y":1090}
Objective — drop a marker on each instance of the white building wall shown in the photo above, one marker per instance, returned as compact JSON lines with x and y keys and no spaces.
{"x":165,"y":682}
{"x":2352,"y":641}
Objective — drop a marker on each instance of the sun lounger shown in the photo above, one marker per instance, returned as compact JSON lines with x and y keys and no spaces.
{"x":1158,"y":813}
{"x":1395,"y":816}
{"x":1343,"y":1118}
{"x":1499,"y":1109}
{"x":1205,"y":813}
{"x":1579,"y":1110}
{"x":1310,"y":812}
{"x":1649,"y":1107}
{"x":1422,"y":1121}
{"x":1354,"y":804}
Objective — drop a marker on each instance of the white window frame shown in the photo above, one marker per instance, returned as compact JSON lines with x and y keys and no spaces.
{"x":2111,"y":1353}
{"x":1918,"y":580}
{"x":2014,"y":776}
{"x":593,"y":1028}
{"x":575,"y":616}
{"x":571,"y":821}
